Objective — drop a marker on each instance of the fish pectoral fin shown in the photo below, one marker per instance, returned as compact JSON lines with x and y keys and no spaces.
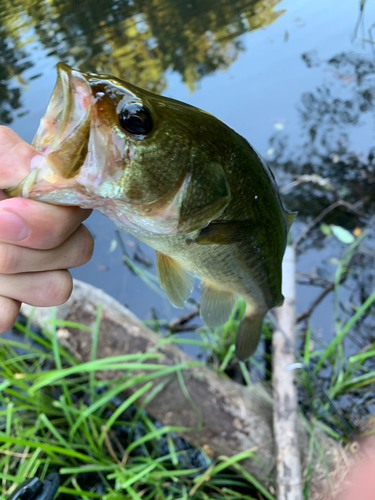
{"x":290,"y":216}
{"x":205,"y":198}
{"x":248,"y":335}
{"x":176,"y":281}
{"x":216,"y":305}
{"x":227,"y":232}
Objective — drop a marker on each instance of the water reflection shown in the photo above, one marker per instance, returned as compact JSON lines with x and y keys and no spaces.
{"x":330,"y":178}
{"x":331,"y":164}
{"x":139,"y":40}
{"x":12,"y":64}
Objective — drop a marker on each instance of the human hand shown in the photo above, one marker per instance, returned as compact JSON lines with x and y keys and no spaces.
{"x":361,"y":482}
{"x":38,"y":241}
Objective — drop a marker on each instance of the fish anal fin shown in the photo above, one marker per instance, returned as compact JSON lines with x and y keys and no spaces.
{"x":249,"y":333}
{"x":290,"y":216}
{"x":216,"y":305}
{"x":176,"y":281}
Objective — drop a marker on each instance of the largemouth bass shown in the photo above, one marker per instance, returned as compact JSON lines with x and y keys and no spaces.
{"x":178,"y":179}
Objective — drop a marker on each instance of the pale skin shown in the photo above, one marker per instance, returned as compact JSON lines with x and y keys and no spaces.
{"x":38,"y":242}
{"x":362,"y":482}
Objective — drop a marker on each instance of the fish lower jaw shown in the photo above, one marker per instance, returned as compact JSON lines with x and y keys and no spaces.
{"x":42,"y":173}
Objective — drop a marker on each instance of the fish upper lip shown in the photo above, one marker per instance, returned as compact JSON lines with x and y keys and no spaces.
{"x":63,"y":135}
{"x":68,"y":119}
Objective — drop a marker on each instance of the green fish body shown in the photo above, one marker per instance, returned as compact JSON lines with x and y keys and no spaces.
{"x":179,"y":180}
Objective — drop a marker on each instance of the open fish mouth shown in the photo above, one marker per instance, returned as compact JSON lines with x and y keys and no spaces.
{"x":86,"y":159}
{"x":64,"y":131}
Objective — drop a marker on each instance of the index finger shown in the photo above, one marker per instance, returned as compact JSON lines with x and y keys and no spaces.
{"x":46,"y":226}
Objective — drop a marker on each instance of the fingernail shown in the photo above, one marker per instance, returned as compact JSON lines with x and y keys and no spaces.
{"x":36,"y":160}
{"x":12,"y":226}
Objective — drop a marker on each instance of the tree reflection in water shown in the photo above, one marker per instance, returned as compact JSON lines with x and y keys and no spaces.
{"x":329,"y":117}
{"x":137,"y":40}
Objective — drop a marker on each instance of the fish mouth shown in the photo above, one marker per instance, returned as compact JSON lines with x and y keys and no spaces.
{"x":64,"y":131}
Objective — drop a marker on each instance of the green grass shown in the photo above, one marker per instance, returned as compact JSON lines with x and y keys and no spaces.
{"x":348,"y":379}
{"x":56,"y":416}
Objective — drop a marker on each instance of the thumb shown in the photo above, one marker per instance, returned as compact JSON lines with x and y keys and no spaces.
{"x":16,"y":158}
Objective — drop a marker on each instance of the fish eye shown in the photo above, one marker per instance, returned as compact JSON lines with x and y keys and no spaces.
{"x":136,"y":119}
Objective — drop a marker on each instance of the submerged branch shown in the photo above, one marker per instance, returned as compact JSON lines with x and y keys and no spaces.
{"x":320,"y":217}
{"x":306,"y":314}
{"x":179,"y":324}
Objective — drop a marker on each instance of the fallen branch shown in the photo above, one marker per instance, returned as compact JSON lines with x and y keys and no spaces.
{"x":285,"y":414}
{"x":233,"y":418}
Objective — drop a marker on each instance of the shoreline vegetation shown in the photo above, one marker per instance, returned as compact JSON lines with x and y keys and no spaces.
{"x":122,"y":413}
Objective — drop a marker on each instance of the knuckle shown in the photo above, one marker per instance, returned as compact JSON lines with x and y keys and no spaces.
{"x":8,"y":259}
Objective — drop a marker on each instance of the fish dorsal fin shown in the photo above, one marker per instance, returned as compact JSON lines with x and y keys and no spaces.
{"x":216,"y":305}
{"x":290,"y":216}
{"x":248,"y":335}
{"x":176,"y":281}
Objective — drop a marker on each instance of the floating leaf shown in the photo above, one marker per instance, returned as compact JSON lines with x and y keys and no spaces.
{"x":113,"y":246}
{"x":326,"y":229}
{"x":334,"y":260}
{"x":342,"y":234}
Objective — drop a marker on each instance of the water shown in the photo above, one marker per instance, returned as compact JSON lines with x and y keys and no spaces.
{"x":291,"y":76}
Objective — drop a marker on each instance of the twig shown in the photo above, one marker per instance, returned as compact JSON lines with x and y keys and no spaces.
{"x":302,"y":179}
{"x":177,"y":323}
{"x":310,"y":225}
{"x":359,"y":19}
{"x":123,"y":250}
{"x":315,"y":302}
{"x":285,"y":416}
{"x":328,"y":288}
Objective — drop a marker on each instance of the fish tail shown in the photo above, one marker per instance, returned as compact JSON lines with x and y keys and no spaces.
{"x":249,"y":332}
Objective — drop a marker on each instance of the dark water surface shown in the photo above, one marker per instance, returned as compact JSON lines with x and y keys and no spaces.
{"x":296,"y":78}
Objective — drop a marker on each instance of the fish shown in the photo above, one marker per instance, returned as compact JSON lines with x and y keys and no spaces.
{"x":178,"y":179}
